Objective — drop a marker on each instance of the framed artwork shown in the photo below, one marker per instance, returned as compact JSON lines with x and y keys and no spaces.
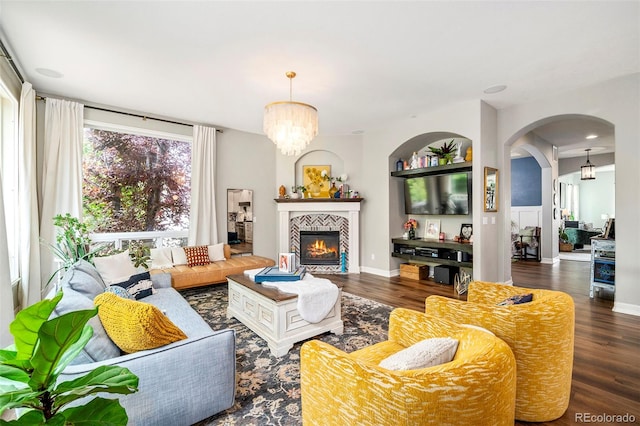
{"x":466,"y":231}
{"x":313,"y":180}
{"x":432,"y":229}
{"x":490,"y":189}
{"x":285,"y":262}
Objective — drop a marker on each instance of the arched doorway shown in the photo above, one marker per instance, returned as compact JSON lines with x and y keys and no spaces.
{"x":557,"y":145}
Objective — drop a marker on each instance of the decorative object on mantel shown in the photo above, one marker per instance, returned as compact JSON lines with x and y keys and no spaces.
{"x":313,"y":178}
{"x":290,"y":125}
{"x":445,"y":152}
{"x":282,"y":191}
{"x":410,"y":226}
{"x":294,"y":191}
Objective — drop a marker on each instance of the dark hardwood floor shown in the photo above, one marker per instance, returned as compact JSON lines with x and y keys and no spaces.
{"x":606,"y":369}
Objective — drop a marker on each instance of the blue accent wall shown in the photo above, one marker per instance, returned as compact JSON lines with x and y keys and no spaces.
{"x":526,"y":182}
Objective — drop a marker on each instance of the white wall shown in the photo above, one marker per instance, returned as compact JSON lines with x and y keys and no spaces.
{"x":617,"y":101}
{"x":245,"y":161}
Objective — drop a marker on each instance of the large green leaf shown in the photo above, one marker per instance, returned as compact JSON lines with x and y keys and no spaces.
{"x":99,"y":411}
{"x":13,"y":373}
{"x":19,"y":398}
{"x":56,"y":337}
{"x":73,"y":350}
{"x":106,"y":378}
{"x":27,"y":324}
{"x":30,"y":418}
{"x":8,"y":353}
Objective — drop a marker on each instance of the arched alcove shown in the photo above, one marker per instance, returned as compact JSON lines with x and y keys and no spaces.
{"x":319,"y":157}
{"x":450,"y":224}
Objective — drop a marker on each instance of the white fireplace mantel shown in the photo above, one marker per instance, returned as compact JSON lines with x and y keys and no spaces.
{"x":349,"y":208}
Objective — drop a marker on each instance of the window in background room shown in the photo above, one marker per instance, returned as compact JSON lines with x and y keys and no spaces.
{"x":135,"y":182}
{"x":9,"y":164}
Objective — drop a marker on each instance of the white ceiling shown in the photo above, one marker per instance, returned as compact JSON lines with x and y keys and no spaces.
{"x":361,"y":63}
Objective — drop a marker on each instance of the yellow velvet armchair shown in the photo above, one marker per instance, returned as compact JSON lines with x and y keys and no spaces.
{"x":476,"y":388}
{"x":540,"y":333}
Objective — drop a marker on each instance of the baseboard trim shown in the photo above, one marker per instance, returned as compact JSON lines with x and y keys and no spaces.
{"x":380,"y":272}
{"x":626,"y":308}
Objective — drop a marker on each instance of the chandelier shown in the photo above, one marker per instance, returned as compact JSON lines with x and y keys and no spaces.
{"x":588,"y":171}
{"x":290,"y":125}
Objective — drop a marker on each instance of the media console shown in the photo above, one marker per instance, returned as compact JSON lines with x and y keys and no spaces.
{"x":422,"y":250}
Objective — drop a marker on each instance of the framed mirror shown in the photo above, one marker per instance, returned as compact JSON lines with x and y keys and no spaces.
{"x":240,"y":221}
{"x":490,"y":189}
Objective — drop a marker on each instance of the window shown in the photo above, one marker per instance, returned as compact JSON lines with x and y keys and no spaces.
{"x":135,"y":182}
{"x":9,"y":172}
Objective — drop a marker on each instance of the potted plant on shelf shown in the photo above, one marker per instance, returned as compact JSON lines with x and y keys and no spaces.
{"x":445,"y":152}
{"x":295,"y":189}
{"x":43,"y":348}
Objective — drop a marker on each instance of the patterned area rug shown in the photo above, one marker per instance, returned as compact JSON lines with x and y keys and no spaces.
{"x":268,"y":388}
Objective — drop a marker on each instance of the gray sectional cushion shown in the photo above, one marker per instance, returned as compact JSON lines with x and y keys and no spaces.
{"x":80,"y":284}
{"x":83,"y":278}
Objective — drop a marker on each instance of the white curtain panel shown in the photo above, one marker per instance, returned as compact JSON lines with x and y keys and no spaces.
{"x":62,"y":172}
{"x":203,"y":229}
{"x":6,"y":294}
{"x":30,"y":283}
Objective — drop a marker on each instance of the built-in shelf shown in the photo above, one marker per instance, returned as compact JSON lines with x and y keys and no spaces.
{"x":402,"y":248}
{"x":434,"y":170}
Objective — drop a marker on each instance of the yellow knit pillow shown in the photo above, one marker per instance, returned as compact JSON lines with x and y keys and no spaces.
{"x":135,"y":326}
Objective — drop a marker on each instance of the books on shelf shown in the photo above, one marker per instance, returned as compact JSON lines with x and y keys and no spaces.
{"x":272,"y":273}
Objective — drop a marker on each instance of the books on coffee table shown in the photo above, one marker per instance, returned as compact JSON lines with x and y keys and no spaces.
{"x":272,"y":273}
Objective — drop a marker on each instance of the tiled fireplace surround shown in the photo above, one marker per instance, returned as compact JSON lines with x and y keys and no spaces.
{"x":323,"y":215}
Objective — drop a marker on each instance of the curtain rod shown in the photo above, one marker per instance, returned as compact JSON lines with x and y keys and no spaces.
{"x":7,"y":56}
{"x":131,"y":114}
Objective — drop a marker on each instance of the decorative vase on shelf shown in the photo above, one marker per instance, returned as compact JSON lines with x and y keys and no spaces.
{"x":442,"y":161}
{"x":333,"y":190}
{"x":412,"y":234}
{"x":469,"y":156}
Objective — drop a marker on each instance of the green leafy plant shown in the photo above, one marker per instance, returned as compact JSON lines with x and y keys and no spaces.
{"x":300,"y":188}
{"x":72,"y":242}
{"x":43,"y":348}
{"x":140,"y":254}
{"x":445,"y":151}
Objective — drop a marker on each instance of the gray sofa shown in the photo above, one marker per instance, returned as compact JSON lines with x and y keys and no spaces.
{"x":180,"y":383}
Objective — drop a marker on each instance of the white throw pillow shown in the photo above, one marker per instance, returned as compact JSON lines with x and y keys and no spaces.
{"x":161,"y":258}
{"x":216,"y":252}
{"x":423,"y":354}
{"x":115,"y":268}
{"x":179,"y":256}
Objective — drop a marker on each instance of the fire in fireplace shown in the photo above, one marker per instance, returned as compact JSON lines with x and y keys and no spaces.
{"x":320,"y":247}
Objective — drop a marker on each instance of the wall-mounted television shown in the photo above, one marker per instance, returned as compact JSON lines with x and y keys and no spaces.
{"x":448,"y":194}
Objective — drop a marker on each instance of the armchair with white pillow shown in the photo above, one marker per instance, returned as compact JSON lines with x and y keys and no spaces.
{"x":384,"y":384}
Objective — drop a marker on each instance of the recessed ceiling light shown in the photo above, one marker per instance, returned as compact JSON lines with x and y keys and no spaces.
{"x":591,"y":136}
{"x":495,"y":89}
{"x":49,"y":73}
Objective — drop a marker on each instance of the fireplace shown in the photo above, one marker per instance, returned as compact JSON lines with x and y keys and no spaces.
{"x":319,"y":247}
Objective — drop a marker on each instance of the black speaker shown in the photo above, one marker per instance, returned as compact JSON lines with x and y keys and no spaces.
{"x":444,"y":274}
